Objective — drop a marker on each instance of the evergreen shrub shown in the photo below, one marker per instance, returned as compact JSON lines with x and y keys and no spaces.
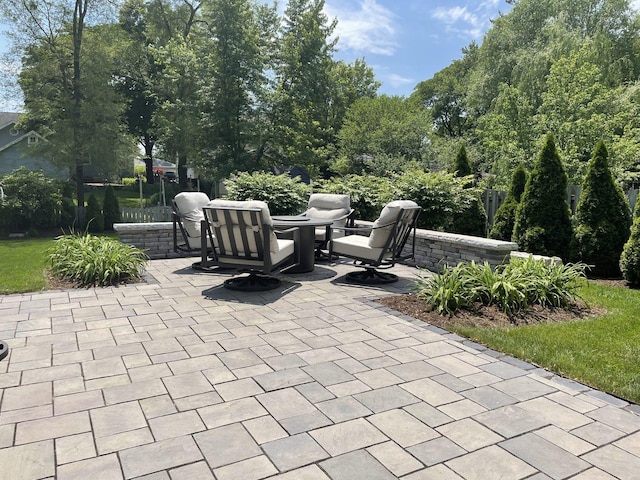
{"x":630,"y":258}
{"x":602,"y":219}
{"x":505,"y":217}
{"x":472,"y":220}
{"x":93,"y":215}
{"x":543,"y":218}
{"x":111,"y":208}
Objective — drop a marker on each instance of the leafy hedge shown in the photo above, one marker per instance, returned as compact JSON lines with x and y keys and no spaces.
{"x":284,"y":195}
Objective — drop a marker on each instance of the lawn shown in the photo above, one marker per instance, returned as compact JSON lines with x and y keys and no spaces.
{"x":22,"y":265}
{"x":602,"y":352}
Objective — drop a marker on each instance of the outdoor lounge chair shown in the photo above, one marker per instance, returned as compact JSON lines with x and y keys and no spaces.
{"x":246,"y":240}
{"x":187,"y":217}
{"x":330,"y":206}
{"x":383,"y":246}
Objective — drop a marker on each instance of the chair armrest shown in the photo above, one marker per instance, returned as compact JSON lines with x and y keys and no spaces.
{"x":363,"y":229}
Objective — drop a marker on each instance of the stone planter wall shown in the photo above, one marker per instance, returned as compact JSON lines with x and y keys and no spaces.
{"x":433,"y":249}
{"x":156,"y":238}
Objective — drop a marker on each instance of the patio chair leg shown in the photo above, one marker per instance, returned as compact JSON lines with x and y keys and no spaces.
{"x":371,"y":276}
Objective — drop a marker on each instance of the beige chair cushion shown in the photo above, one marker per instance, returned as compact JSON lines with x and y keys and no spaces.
{"x":379,"y":236}
{"x":274,"y":245}
{"x":328,"y":206}
{"x":356,"y":246}
{"x":190,"y":207}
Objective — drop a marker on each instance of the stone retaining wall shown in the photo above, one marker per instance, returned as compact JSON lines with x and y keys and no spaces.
{"x":156,"y":238}
{"x":433,"y":249}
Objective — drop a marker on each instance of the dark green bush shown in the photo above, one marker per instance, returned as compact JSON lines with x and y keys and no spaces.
{"x":368,"y":194}
{"x":111,"y":208}
{"x":93,"y":215}
{"x":68,"y":207}
{"x":461,"y":165}
{"x":602,"y":219}
{"x":91,"y":260}
{"x":505,"y":217}
{"x":441,"y":195}
{"x":630,"y":258}
{"x":472,"y":220}
{"x":32,"y":202}
{"x":284,"y":195}
{"x":543,"y":219}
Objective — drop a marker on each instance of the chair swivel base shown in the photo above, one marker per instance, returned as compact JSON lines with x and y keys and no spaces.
{"x":371,"y":276}
{"x":254,"y":282}
{"x":4,"y":349}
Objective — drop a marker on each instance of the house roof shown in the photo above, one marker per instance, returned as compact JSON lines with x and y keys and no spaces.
{"x":7,"y":118}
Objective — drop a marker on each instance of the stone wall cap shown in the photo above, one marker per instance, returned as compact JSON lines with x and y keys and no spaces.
{"x":136,"y":227}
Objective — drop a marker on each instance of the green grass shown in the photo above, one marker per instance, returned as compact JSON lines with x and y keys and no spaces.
{"x":602,"y":352}
{"x":22,"y":265}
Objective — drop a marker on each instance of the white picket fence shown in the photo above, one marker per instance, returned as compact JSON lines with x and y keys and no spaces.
{"x":156,"y":213}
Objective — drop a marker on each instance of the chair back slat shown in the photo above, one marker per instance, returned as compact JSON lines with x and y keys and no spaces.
{"x":240,"y":232}
{"x":405,"y":224}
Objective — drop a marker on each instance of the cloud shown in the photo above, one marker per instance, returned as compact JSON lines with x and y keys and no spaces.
{"x":398,"y":81}
{"x":364,"y":28}
{"x":471,"y":23}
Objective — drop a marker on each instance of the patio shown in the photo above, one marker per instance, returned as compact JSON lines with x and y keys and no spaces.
{"x":178,"y":378}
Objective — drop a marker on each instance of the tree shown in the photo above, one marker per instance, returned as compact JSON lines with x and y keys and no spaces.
{"x":630,"y":258}
{"x":505,"y":217}
{"x":379,"y":128}
{"x":233,"y":90}
{"x":68,"y":93}
{"x":303,"y":94}
{"x":602,"y":219}
{"x":543,"y":219}
{"x":444,"y":96}
{"x":472,"y":220}
{"x":110,"y":208}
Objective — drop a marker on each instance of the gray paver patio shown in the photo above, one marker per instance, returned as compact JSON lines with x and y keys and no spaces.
{"x":178,"y":378}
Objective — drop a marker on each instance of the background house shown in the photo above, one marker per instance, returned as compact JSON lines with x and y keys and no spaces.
{"x":14,"y":149}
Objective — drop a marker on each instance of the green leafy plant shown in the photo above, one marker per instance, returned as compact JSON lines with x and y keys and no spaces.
{"x":32,"y":201}
{"x":602,"y":219}
{"x":505,"y":217}
{"x":284,"y":195}
{"x":110,"y":208}
{"x":511,"y":287}
{"x":368,"y":194}
{"x":93,"y":215}
{"x":92,"y":260}
{"x":630,"y":257}
{"x":543,"y":220}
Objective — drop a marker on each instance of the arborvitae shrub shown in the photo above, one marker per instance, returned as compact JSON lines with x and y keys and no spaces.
{"x":473,"y":219}
{"x":630,"y":258}
{"x":94,"y":217}
{"x":461,"y":166}
{"x":505,"y":217}
{"x":111,"y":208}
{"x":602,"y":219}
{"x":543,"y":218}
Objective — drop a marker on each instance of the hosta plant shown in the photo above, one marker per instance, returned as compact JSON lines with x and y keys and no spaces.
{"x":511,"y":287}
{"x":92,"y":260}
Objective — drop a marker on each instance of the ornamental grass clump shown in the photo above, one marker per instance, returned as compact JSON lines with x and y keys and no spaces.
{"x":512,"y":287}
{"x":95,"y":261}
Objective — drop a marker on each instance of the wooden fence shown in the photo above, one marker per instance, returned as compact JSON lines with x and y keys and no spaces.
{"x":492,"y":200}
